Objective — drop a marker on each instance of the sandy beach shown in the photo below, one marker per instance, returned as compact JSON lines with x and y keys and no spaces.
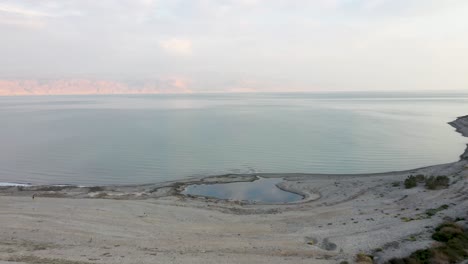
{"x":340,"y":216}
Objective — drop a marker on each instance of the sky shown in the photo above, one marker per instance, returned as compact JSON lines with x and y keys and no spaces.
{"x":189,"y":46}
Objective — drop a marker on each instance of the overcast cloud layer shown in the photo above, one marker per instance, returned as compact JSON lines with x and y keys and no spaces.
{"x":235,"y":45}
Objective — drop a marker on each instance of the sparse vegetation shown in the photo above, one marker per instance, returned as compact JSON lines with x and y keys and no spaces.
{"x":447,"y":231}
{"x":453,"y":247}
{"x":311,"y":241}
{"x":427,"y":214}
{"x":411,"y":182}
{"x":395,"y":184}
{"x":432,"y":212}
{"x":364,"y":258}
{"x":407,"y":219}
{"x":432,"y":183}
{"x":439,"y":182}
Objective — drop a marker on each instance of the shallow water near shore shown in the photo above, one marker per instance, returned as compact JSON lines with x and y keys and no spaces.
{"x":262,"y":190}
{"x":106,"y":140}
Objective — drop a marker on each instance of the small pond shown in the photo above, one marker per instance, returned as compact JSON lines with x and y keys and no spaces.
{"x":263,"y":190}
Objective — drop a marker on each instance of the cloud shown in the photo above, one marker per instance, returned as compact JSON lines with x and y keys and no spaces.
{"x":177,"y":46}
{"x":277,"y":45}
{"x":12,"y":15}
{"x":16,"y":10}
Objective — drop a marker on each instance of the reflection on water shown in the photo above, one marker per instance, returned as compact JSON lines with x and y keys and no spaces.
{"x":262,"y":191}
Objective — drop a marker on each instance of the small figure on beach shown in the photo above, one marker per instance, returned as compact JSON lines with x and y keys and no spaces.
{"x":33,"y":196}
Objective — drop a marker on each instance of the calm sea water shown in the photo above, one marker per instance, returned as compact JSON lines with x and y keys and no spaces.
{"x":144,"y":139}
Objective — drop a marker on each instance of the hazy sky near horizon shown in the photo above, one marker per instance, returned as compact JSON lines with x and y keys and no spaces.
{"x":240,"y":45}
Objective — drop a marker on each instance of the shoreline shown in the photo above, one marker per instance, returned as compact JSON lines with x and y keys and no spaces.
{"x":342,"y":215}
{"x":175,"y":187}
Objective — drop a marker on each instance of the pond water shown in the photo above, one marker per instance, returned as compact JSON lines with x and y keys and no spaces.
{"x":262,"y":190}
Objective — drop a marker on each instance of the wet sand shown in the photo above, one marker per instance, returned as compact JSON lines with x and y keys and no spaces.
{"x":340,"y":216}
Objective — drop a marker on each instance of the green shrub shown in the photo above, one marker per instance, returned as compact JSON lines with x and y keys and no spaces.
{"x":454,"y":247}
{"x":422,"y":256}
{"x":364,"y":258}
{"x":397,"y":261}
{"x":448,"y":224}
{"x":453,"y":253}
{"x":411,"y":182}
{"x":432,"y":212}
{"x":447,"y":231}
{"x":439,"y":182}
{"x":420,"y":178}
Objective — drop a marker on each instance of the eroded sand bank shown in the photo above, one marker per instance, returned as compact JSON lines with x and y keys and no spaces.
{"x":340,"y":216}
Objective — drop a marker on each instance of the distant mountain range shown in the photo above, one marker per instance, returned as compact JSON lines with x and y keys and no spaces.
{"x":83,"y":87}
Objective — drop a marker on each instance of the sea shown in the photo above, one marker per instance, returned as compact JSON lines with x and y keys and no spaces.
{"x":139,"y":139}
